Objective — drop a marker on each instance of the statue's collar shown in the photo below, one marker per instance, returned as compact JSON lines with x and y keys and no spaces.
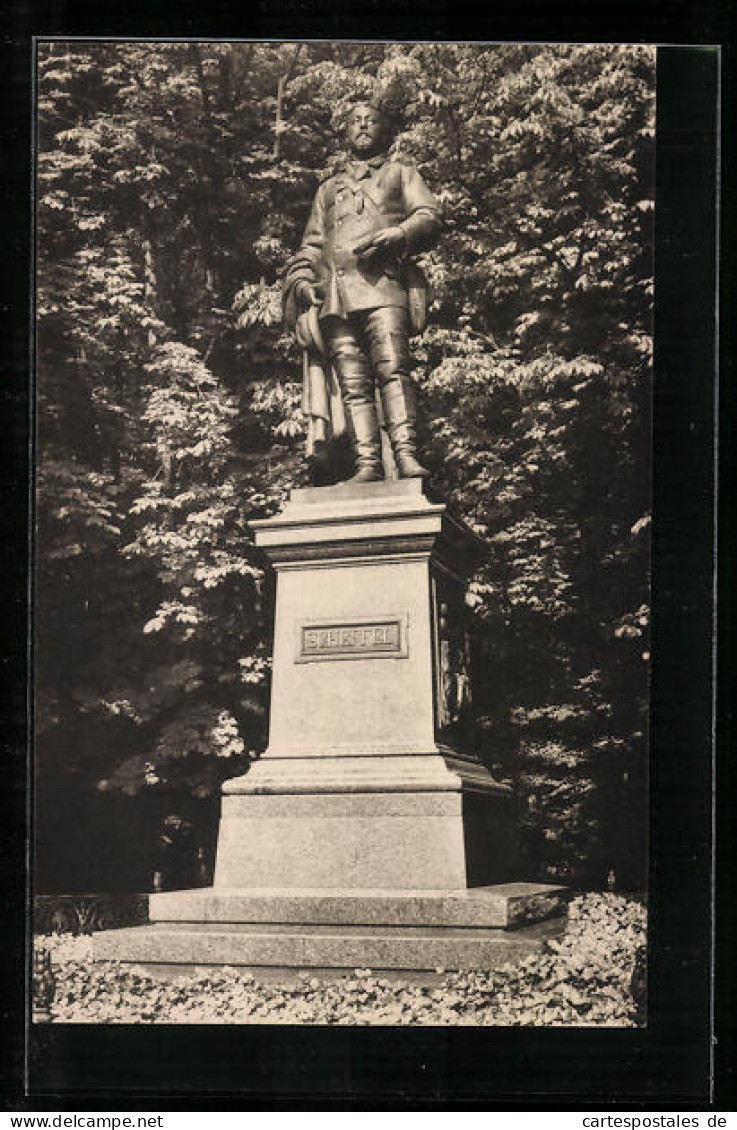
{"x":360,"y":169}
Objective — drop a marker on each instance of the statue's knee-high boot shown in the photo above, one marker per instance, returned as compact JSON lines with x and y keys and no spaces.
{"x":356,"y":386}
{"x":388,"y":337}
{"x":364,"y":426}
{"x":400,"y":417}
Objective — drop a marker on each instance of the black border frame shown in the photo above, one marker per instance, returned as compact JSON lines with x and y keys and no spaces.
{"x":671,"y":1063}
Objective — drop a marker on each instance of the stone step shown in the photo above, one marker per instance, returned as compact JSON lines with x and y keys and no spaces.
{"x":333,"y":947}
{"x":502,"y":906}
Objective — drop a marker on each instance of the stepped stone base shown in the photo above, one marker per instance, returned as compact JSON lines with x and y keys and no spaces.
{"x":480,"y":928}
{"x":503,"y":906}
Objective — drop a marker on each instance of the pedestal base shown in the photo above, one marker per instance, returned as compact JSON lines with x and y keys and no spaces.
{"x":396,"y":822}
{"x":338,"y":929}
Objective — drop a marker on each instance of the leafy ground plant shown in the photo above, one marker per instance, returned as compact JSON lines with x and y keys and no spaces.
{"x":584,"y":978}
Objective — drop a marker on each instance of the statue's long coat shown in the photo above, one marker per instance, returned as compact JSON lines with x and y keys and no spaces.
{"x":361,"y":199}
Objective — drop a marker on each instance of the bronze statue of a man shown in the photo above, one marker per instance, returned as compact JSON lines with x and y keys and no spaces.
{"x":353,"y":270}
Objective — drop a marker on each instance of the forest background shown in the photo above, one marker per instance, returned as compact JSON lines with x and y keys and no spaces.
{"x":173,"y":182}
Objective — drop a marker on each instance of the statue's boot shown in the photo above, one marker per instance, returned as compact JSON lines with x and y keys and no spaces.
{"x":400,"y":416}
{"x":356,"y":388}
{"x":364,"y":426}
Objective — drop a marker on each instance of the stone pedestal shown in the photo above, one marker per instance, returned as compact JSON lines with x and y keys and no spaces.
{"x":369,"y":833}
{"x":360,"y":786}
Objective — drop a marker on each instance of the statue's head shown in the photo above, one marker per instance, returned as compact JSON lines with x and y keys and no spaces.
{"x":367,"y":130}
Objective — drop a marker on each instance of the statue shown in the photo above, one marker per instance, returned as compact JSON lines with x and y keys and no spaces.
{"x":354,"y":298}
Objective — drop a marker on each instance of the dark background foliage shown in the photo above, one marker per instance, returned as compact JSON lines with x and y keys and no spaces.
{"x":173,"y":183}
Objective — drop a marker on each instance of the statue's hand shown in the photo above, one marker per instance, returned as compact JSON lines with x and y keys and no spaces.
{"x":306,"y":294}
{"x":388,"y":239}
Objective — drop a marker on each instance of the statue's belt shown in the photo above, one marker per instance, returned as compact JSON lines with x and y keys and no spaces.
{"x":308,"y":332}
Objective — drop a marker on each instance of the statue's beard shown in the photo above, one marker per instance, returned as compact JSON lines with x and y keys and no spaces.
{"x":367,"y":147}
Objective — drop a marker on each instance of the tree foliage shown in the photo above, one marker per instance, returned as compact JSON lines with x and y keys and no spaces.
{"x":173,"y":183}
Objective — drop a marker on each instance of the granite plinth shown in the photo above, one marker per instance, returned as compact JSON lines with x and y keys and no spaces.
{"x":341,"y":930}
{"x":503,"y":906}
{"x":370,"y":837}
{"x":377,"y":948}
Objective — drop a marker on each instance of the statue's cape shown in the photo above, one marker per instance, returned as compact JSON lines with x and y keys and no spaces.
{"x":302,"y":267}
{"x":322,"y":403}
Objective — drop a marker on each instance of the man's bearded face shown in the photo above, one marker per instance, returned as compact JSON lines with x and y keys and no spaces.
{"x":365,"y":131}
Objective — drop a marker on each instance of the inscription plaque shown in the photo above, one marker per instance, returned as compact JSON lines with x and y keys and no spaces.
{"x":351,"y":639}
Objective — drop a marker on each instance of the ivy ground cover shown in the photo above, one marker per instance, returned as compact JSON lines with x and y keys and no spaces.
{"x":583,"y":978}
